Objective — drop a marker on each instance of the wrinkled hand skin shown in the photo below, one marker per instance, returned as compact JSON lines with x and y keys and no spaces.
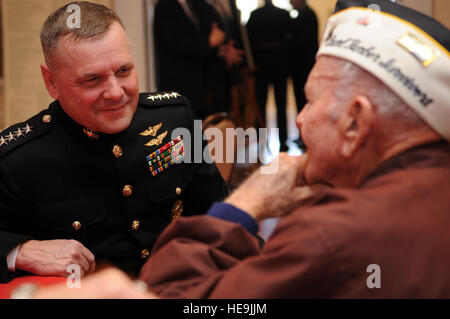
{"x":52,"y":257}
{"x":110,"y":283}
{"x":265,"y":196}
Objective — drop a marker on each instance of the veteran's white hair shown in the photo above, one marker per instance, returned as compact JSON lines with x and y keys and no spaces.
{"x":352,"y":80}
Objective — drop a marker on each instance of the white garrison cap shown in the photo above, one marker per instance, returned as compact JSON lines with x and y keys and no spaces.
{"x":405,"y":49}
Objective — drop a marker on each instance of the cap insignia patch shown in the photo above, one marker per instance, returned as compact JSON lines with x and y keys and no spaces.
{"x":422,"y":51}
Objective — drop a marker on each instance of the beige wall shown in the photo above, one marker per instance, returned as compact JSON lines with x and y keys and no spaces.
{"x":441,"y":11}
{"x":324,"y":9}
{"x":424,"y":6}
{"x":132,"y":12}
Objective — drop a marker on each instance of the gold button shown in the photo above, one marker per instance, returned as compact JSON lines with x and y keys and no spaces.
{"x":117,"y":151}
{"x":76,"y":225}
{"x":127,"y":190}
{"x":145,"y":253}
{"x":177,"y":209}
{"x":47,"y":118}
{"x":135,"y":225}
{"x":178,"y":191}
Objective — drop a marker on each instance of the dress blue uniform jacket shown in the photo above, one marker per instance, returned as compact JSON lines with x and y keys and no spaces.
{"x":59,"y":181}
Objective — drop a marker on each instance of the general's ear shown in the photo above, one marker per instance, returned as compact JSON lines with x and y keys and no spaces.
{"x":355,"y":125}
{"x":49,"y":80}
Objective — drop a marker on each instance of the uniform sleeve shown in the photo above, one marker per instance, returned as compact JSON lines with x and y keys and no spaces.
{"x":205,"y":257}
{"x":207,"y":185}
{"x":10,"y":205}
{"x":233,"y":214}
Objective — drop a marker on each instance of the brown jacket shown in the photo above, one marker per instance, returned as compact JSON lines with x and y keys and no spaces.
{"x":398,"y":219}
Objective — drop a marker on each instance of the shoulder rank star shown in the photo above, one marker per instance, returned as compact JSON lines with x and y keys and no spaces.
{"x":10,"y":137}
{"x":158,"y":140}
{"x":19,"y":133}
{"x":151,"y":131}
{"x":27,"y":129}
{"x":14,"y":136}
{"x":3,"y":141}
{"x":163,"y":96}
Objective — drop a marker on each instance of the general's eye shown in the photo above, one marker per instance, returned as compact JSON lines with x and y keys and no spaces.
{"x":92,"y":81}
{"x":124,"y":71}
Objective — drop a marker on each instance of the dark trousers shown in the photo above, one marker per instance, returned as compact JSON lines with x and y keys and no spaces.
{"x":279,"y":81}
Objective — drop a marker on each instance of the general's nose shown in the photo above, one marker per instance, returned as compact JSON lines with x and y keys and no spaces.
{"x":113,"y":90}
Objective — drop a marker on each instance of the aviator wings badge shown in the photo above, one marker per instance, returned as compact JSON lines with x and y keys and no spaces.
{"x":151,"y":131}
{"x":158,"y":140}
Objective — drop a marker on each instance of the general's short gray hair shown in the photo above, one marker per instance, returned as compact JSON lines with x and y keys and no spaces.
{"x":96,"y":20}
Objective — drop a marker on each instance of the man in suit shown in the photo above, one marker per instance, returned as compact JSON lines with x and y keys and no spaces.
{"x":303,"y":51}
{"x":189,"y":40}
{"x":94,"y":178}
{"x":270,"y":31}
{"x":304,"y":48}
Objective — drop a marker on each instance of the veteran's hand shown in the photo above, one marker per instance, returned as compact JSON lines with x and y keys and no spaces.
{"x":110,"y":283}
{"x":51,"y":257}
{"x":273,"y":195}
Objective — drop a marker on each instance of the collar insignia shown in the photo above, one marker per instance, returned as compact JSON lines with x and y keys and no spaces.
{"x":91,"y":134}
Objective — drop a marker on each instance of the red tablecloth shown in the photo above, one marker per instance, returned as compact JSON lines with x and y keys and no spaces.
{"x":6,"y":289}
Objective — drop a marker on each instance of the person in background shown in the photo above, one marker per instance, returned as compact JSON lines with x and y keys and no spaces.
{"x":194,"y":54}
{"x":270,"y":31}
{"x":303,"y":51}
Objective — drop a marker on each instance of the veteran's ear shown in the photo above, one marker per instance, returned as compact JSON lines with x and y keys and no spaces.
{"x":49,"y":80}
{"x":355,"y":125}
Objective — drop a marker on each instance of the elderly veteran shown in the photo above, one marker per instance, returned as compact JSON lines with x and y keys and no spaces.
{"x":377,"y":126}
{"x":90,"y":179}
